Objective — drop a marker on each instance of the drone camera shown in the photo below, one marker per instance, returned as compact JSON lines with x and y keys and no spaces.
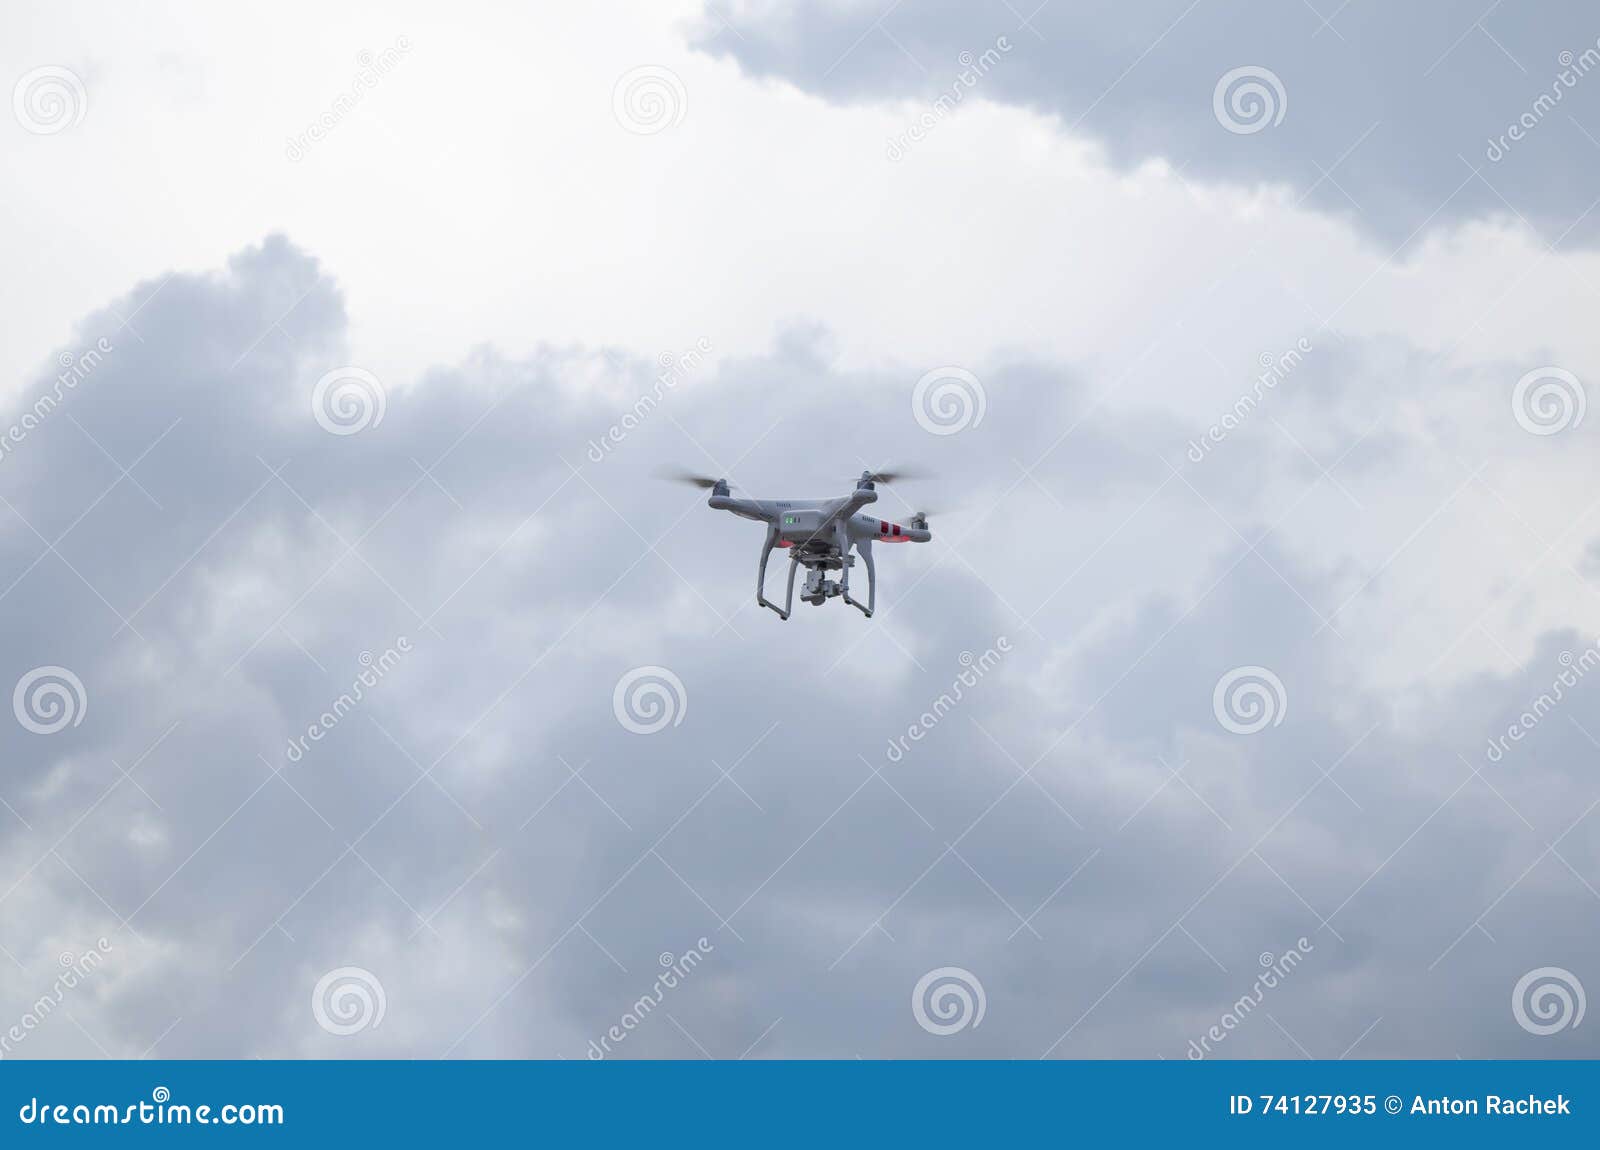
{"x":819,"y":588}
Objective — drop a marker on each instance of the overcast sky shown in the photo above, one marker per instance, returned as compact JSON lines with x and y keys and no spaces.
{"x":1266,"y":557}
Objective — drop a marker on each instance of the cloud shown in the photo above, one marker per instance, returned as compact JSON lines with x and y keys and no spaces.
{"x":509,"y":862}
{"x":1400,"y":119}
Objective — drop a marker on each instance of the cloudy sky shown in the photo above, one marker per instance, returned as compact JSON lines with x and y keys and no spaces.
{"x":1254,"y":343}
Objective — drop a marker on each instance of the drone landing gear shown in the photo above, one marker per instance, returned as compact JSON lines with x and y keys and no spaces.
{"x":865,"y":547}
{"x":818,"y":587}
{"x":761,"y":578}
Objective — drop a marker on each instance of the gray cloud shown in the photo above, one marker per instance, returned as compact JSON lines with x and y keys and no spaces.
{"x":1386,"y":112}
{"x":484,"y":836}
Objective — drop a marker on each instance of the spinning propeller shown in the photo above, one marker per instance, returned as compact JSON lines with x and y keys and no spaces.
{"x":677,"y":475}
{"x":895,"y":475}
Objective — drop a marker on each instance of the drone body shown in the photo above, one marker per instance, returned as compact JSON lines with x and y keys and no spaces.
{"x":820,"y":535}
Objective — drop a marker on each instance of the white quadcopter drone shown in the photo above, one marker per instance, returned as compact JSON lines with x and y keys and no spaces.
{"x":819,"y":535}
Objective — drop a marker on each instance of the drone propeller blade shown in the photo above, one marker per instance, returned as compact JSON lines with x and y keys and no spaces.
{"x":678,"y":475}
{"x":896,"y":474}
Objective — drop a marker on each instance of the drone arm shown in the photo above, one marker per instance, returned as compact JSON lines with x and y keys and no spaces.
{"x":855,"y":502}
{"x":744,"y":508}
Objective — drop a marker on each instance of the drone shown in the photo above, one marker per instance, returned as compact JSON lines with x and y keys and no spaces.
{"x":819,"y":535}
